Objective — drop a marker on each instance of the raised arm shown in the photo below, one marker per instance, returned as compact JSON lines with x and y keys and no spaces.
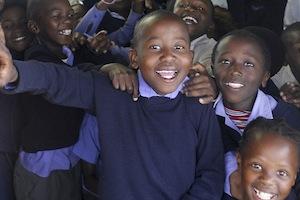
{"x":8,"y":72}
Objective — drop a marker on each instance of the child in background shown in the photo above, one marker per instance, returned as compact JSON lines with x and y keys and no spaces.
{"x":13,"y":20}
{"x":268,"y":160}
{"x":14,"y":24}
{"x":241,"y":64}
{"x":164,"y":145}
{"x":288,"y":78}
{"x":198,"y":16}
{"x":116,"y":30}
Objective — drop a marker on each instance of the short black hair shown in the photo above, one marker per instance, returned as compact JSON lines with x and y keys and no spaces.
{"x":240,"y":33}
{"x":149,"y":19}
{"x":266,"y":126}
{"x":11,"y":4}
{"x":34,"y":9}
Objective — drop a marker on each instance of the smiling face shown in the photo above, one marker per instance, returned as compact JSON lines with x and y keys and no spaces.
{"x":268,"y":167}
{"x":163,"y":54}
{"x":239,"y":71}
{"x":14,"y":25}
{"x":197,"y":14}
{"x":55,"y":24}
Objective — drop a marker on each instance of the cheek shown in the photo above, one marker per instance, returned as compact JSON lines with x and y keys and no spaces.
{"x":285,"y":187}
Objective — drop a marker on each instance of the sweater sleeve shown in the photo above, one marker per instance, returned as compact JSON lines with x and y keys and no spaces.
{"x":59,"y":84}
{"x":209,"y":175}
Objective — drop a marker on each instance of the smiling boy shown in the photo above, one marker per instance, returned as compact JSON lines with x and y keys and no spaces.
{"x":165,"y":145}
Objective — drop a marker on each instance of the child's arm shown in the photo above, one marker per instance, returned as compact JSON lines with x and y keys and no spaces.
{"x":290,"y":93}
{"x":201,"y":85}
{"x":122,"y":78}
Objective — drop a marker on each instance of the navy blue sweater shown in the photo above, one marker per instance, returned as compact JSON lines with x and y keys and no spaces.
{"x":155,"y":148}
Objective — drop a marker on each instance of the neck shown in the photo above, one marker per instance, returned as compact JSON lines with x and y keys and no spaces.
{"x":54,"y":48}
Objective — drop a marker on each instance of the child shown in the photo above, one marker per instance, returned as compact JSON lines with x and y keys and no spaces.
{"x":165,"y":145}
{"x":288,"y":78}
{"x":13,"y":20}
{"x":268,"y":160}
{"x":241,"y":64}
{"x":14,"y":24}
{"x":198,"y":15}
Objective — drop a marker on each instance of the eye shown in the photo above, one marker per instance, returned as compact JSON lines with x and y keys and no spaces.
{"x":7,"y":26}
{"x":248,"y":64}
{"x":282,"y":173}
{"x":179,"y":48}
{"x":155,"y":47}
{"x":256,"y":167}
{"x":225,"y":62}
{"x":199,"y":8}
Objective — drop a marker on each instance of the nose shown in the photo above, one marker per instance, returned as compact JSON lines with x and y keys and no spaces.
{"x":266,"y":178}
{"x":236,"y":69}
{"x":167,"y":55}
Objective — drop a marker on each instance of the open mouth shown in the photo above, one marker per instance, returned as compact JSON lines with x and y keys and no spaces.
{"x":264,"y":195}
{"x":167,"y":74}
{"x":18,"y":39}
{"x":66,"y":32}
{"x":234,"y":85}
{"x":190,"y":20}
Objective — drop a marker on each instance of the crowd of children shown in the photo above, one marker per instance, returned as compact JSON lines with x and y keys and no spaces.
{"x":202,"y":118}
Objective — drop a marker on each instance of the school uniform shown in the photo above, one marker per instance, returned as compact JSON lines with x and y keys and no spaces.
{"x":47,"y":140}
{"x":155,"y":148}
{"x":264,"y":106}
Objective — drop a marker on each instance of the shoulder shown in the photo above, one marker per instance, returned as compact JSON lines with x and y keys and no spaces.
{"x":287,"y":112}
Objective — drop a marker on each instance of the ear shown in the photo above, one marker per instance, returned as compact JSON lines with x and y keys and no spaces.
{"x":265,"y":79}
{"x":33,"y":27}
{"x":133,"y":58}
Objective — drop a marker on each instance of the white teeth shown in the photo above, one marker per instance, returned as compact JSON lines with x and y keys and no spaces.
{"x":65,"y":32}
{"x":235,"y":85}
{"x":167,"y":74}
{"x":20,"y":38}
{"x":190,"y":20}
{"x":263,"y":195}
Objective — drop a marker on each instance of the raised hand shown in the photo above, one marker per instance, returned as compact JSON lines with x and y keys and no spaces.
{"x":8,"y":72}
{"x":99,"y":43}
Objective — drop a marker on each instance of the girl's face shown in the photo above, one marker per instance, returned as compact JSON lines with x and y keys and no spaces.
{"x":14,"y":25}
{"x":268,"y":167}
{"x":239,"y":71}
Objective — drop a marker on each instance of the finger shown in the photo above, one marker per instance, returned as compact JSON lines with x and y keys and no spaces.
{"x":206,"y":100}
{"x":135,"y":94}
{"x":115,"y":82}
{"x":122,"y":82}
{"x":198,"y":67}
